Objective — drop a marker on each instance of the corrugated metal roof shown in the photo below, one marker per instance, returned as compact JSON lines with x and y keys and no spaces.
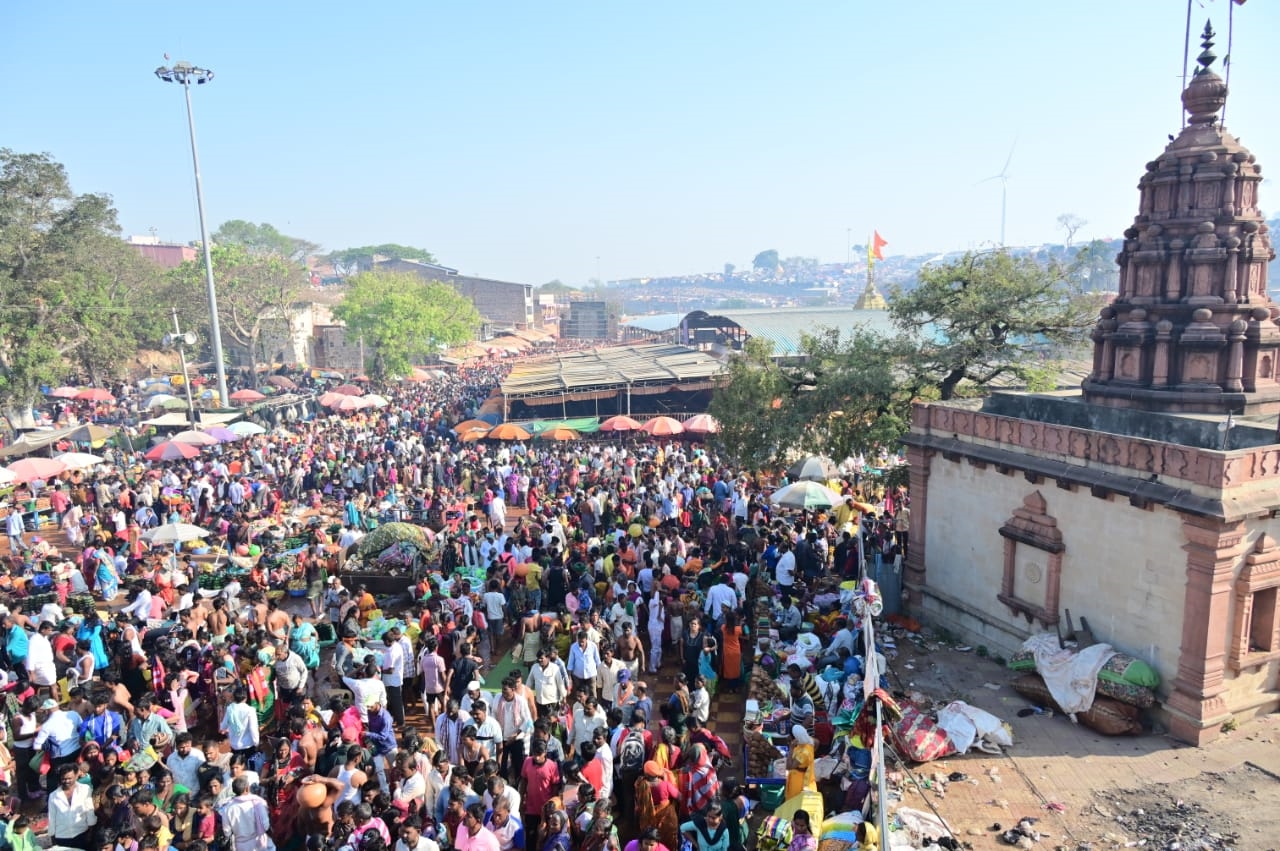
{"x":785,"y":327}
{"x":616,"y":366}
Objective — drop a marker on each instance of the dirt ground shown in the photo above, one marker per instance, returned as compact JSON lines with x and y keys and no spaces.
{"x":1075,"y":788}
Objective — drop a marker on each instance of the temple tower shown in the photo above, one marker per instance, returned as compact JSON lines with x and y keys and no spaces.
{"x":1193,"y":328}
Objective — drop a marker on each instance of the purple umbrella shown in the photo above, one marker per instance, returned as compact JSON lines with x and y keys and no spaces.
{"x":222,"y":435}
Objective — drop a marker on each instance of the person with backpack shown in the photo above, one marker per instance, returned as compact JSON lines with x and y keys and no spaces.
{"x":634,"y":748}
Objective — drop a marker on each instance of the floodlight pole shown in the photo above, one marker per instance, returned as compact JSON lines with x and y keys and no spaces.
{"x":184,"y":73}
{"x":179,"y":342}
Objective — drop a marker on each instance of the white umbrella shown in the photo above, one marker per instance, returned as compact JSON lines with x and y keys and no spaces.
{"x":79,"y":460}
{"x":195,"y":438}
{"x":377,"y":401}
{"x":174,"y":533}
{"x":805,"y":495}
{"x":6,"y":478}
{"x":245,"y":428}
{"x":161,"y":399}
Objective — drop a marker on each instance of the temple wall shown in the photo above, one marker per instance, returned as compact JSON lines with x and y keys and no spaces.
{"x":1130,"y":586}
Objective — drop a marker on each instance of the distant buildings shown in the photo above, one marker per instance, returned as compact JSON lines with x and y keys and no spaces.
{"x":170,"y":255}
{"x":503,"y":305}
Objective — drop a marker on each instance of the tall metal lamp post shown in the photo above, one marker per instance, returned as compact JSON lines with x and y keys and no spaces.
{"x":184,"y":73}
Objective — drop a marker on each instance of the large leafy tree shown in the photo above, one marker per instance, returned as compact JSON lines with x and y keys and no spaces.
{"x":263,"y":239}
{"x":753,"y":428}
{"x":991,"y":314}
{"x":401,"y":317}
{"x":256,"y":292}
{"x":73,"y":297}
{"x":351,"y":261}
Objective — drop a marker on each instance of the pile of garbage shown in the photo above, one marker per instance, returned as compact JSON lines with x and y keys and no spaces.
{"x":396,"y":549}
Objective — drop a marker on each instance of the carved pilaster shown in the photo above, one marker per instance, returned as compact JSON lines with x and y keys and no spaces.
{"x":915,"y":580}
{"x":1196,"y":705}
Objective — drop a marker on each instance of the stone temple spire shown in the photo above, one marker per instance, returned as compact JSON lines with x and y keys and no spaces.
{"x":1193,"y":328}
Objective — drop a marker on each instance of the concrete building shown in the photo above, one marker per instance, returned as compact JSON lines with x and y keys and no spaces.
{"x":170,"y":255}
{"x":587,"y":320}
{"x":1158,"y":525}
{"x":503,"y":306}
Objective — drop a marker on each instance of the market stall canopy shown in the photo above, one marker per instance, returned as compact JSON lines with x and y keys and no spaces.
{"x":30,"y":469}
{"x":171,"y":450}
{"x":702,"y":424}
{"x":508,"y":431}
{"x":172,"y":420}
{"x":805,"y":495}
{"x":814,"y":468}
{"x":663,"y":426}
{"x":79,"y":460}
{"x":174,"y":533}
{"x":34,"y":441}
{"x":620,"y":423}
{"x":642,"y":369}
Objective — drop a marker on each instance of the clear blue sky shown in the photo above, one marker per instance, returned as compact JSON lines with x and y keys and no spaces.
{"x":523,"y":140}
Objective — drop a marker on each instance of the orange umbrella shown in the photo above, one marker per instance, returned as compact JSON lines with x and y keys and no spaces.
{"x":620,"y":423}
{"x":246,"y":396}
{"x":663,"y":426}
{"x":472,"y":434}
{"x":466,"y":425}
{"x":330,"y":398}
{"x":508,"y":431}
{"x":417,"y":375}
{"x":559,"y":433}
{"x":348,"y":390}
{"x":702,"y":424}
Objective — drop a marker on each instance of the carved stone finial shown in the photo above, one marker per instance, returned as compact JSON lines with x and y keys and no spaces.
{"x":1207,"y":56}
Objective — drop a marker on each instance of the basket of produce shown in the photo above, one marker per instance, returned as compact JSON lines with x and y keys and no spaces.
{"x":327,"y":635}
{"x":275,"y":594}
{"x":297,"y":587}
{"x":81,"y":604}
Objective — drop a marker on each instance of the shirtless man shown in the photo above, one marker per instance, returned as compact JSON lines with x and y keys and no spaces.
{"x":319,"y":819}
{"x":277,"y":621}
{"x":258,"y":609}
{"x":217,"y":619}
{"x":630,"y":650}
{"x":196,"y":618}
{"x":311,"y":741}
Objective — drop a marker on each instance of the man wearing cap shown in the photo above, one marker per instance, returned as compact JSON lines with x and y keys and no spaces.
{"x":379,"y":737}
{"x":61,"y":732}
{"x":474,"y":694}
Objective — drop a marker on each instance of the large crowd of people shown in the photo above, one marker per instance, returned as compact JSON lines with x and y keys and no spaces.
{"x":548,"y":683}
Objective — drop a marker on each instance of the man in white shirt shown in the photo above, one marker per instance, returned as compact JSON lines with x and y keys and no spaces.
{"x":71,"y":812}
{"x":245,"y":818}
{"x":546,"y":683}
{"x":393,"y":671}
{"x":411,"y":838}
{"x":511,"y":711}
{"x":607,"y":676}
{"x":240,"y":723}
{"x":40,"y":665}
{"x":185,"y":762}
{"x":412,"y":786}
{"x":785,"y":571}
{"x":721,"y":598}
{"x":366,"y":687}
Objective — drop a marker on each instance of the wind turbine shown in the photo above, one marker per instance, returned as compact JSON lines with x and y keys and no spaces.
{"x":1003,"y":177}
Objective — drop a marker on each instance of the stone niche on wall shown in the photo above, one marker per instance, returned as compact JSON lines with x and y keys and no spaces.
{"x":1033,"y":549}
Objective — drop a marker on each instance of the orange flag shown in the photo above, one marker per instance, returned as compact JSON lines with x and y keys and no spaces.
{"x":877,"y":242}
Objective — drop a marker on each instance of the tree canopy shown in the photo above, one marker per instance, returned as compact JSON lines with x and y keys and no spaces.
{"x":990,"y":314}
{"x":74,"y":298}
{"x":401,"y":317}
{"x":350,"y":261}
{"x":263,"y":239}
{"x":256,"y":291}
{"x":766,"y":261}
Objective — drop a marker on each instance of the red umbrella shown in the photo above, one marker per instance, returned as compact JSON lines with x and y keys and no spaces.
{"x":663,"y":426}
{"x":172,"y":450}
{"x":246,"y":396}
{"x":702,"y":424}
{"x":348,"y":390}
{"x":620,"y":423}
{"x":29,"y":469}
{"x":95,"y":394}
{"x":64,"y":392}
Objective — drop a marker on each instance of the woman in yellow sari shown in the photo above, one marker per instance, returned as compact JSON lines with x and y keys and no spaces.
{"x":667,"y":754}
{"x":800,"y":775}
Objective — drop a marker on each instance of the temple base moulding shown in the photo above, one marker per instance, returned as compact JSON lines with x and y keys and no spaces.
{"x":1196,"y":722}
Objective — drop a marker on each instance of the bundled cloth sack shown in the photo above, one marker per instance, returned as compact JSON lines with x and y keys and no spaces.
{"x":1106,"y":716}
{"x":919,"y":738}
{"x":1122,"y":677}
{"x":969,"y":727}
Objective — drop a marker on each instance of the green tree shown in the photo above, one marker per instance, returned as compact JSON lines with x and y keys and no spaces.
{"x":263,"y":239}
{"x":728,"y":270}
{"x":990,"y":314}
{"x":351,"y":261}
{"x":850,"y":395}
{"x":1095,"y":267}
{"x":256,"y":292}
{"x":72,"y":294}
{"x":766,"y":261}
{"x":752,"y":430}
{"x":556,"y":287}
{"x":400,"y":317}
